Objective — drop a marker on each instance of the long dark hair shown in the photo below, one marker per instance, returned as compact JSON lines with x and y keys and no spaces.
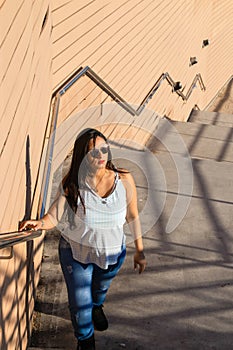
{"x":75,"y":179}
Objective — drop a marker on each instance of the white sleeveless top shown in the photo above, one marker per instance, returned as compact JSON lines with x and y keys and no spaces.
{"x":98,"y":236}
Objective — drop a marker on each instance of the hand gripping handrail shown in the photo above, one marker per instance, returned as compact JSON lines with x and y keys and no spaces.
{"x":8,"y":239}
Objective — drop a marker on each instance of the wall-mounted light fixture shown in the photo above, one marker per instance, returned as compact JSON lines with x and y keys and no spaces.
{"x":177,"y":86}
{"x":192,"y":61}
{"x":205,"y":42}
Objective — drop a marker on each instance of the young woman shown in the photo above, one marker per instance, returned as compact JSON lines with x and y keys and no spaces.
{"x":90,"y":210}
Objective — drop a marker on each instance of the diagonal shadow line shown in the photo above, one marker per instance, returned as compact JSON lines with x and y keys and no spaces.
{"x":225,"y":146}
{"x":213,"y":215}
{"x":175,"y":244}
{"x":198,"y":262}
{"x":8,"y":334}
{"x":28,"y":182}
{"x":189,"y":313}
{"x":215,"y":119}
{"x":187,"y":195}
{"x":30,"y":274}
{"x":190,"y":262}
{"x":162,"y":220}
{"x":166,"y":291}
{"x":58,"y":309}
{"x":197,"y":137}
{"x":227,"y":94}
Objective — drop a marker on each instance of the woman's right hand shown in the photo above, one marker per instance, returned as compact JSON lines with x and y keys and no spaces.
{"x":31,"y":225}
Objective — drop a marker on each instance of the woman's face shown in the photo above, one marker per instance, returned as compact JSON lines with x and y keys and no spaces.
{"x":98,"y":153}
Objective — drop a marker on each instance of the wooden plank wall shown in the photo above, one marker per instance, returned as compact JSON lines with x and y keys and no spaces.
{"x":25,"y":90}
{"x":129,"y":43}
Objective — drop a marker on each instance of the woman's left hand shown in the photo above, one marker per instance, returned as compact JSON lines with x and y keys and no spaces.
{"x":139,"y":261}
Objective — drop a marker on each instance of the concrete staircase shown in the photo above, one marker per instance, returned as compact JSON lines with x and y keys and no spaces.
{"x":200,"y":155}
{"x":184,"y":298}
{"x":203,"y":141}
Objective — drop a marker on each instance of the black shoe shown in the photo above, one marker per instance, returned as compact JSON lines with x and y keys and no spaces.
{"x":99,"y":319}
{"x":87,"y":344}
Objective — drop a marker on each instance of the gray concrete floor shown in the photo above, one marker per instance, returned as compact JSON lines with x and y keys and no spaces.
{"x":184,"y":299}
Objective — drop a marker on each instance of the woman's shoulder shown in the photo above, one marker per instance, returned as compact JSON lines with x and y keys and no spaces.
{"x":124,"y":174}
{"x":121,"y":171}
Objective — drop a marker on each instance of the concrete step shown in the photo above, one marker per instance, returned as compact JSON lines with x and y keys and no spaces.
{"x":198,"y":140}
{"x":212,"y":118}
{"x":185,"y":293}
{"x":186,"y":198}
{"x":196,"y":181}
{"x":163,"y":171}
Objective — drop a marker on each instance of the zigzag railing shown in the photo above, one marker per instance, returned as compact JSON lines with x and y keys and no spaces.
{"x":117,"y":98}
{"x":8,"y":239}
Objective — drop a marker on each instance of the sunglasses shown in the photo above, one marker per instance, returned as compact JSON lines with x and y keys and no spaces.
{"x":95,"y":152}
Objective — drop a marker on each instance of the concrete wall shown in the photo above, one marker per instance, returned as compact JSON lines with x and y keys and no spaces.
{"x":129,"y":44}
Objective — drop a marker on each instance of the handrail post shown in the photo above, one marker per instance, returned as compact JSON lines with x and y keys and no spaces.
{"x":49,"y":154}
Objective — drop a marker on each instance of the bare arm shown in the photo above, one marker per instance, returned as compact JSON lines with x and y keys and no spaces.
{"x":50,"y":219}
{"x":132,"y":217}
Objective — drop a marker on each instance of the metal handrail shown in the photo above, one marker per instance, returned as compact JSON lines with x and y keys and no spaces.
{"x":105,"y":87}
{"x":198,"y":79}
{"x":9,"y":239}
{"x":117,"y":98}
{"x":164,"y":76}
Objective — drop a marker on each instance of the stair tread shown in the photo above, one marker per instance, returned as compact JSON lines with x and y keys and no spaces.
{"x":211,"y":118}
{"x":201,"y":141}
{"x":167,"y":167}
{"x":201,"y":130}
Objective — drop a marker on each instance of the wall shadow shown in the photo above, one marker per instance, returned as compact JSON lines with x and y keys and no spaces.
{"x":30,"y":274}
{"x":21,"y":277}
{"x":224,"y":99}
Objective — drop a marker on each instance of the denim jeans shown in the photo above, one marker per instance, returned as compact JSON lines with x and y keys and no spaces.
{"x":87,"y":285}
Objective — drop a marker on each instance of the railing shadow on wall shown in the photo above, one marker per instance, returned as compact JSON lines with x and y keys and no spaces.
{"x":8,"y":239}
{"x":25,"y":271}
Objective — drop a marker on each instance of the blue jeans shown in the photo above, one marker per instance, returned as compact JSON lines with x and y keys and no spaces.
{"x":87,"y":285}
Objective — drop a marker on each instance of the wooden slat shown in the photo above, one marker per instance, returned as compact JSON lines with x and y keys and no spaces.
{"x":164,"y":43}
{"x":25,"y":88}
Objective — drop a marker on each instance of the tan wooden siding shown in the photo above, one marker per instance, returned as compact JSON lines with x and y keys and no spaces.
{"x":25,"y":89}
{"x":129,"y":43}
